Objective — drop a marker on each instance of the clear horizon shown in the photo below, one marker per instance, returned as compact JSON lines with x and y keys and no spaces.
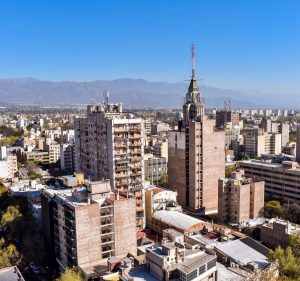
{"x":248,"y":45}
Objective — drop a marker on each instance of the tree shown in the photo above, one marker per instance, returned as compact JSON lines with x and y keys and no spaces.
{"x":10,"y":218}
{"x":70,"y":274}
{"x":273,"y":209}
{"x":10,"y":215}
{"x":229,"y":170}
{"x":244,"y":156}
{"x":295,"y":244}
{"x":286,"y":262}
{"x":163,"y":182}
{"x":9,"y":255}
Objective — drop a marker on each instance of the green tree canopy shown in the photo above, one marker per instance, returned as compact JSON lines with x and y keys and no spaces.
{"x":70,"y":274}
{"x":9,"y":255}
{"x":273,"y":209}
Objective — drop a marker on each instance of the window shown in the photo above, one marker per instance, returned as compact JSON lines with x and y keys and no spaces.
{"x":192,"y":275}
{"x":202,"y":269}
{"x":211,"y":264}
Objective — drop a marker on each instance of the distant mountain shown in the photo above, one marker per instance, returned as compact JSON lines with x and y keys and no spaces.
{"x":131,"y":92}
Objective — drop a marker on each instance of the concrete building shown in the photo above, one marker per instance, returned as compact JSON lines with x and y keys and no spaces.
{"x":282,"y":129}
{"x":172,"y":260}
{"x":183,"y":223}
{"x":155,"y":168}
{"x":277,"y":232}
{"x":196,"y":155}
{"x":11,"y":274}
{"x":281,"y":180}
{"x":67,"y":158}
{"x":259,"y":142}
{"x":298,"y":144}
{"x":289,"y":149}
{"x":147,"y":126}
{"x":224,"y":116}
{"x":8,"y":164}
{"x":268,"y":112}
{"x":240,"y":198}
{"x":232,"y":135}
{"x":159,"y":127}
{"x":243,"y":254}
{"x":54,"y":152}
{"x":160,"y":149}
{"x":157,"y":199}
{"x":85,"y":225}
{"x":108,"y":145}
{"x":36,"y":155}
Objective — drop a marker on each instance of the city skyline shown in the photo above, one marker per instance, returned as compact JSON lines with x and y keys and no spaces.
{"x":251,"y":45}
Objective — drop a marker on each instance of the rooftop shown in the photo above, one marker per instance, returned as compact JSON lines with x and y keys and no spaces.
{"x":10,"y":274}
{"x":193,"y":263}
{"x":176,"y":219}
{"x":245,"y":252}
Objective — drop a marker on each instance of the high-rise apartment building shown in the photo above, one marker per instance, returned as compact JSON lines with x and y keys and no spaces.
{"x":224,"y":116}
{"x":260,"y":142}
{"x":108,"y":145}
{"x":67,"y":157}
{"x":276,"y":128}
{"x":240,"y":198}
{"x":196,"y":155}
{"x":281,"y":180}
{"x":155,"y":168}
{"x":84,"y":225}
{"x":298,"y":145}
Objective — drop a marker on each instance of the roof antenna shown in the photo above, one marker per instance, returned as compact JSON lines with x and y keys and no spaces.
{"x":193,"y":61}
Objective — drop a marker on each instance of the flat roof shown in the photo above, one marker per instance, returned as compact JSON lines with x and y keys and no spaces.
{"x":195,"y":262}
{"x":204,"y":240}
{"x":10,"y":274}
{"x":243,"y":253}
{"x":262,"y":163}
{"x":226,"y":274}
{"x":142,"y":275}
{"x":176,"y":219}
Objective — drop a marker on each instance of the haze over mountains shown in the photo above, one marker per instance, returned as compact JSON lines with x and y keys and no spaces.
{"x":131,"y":92}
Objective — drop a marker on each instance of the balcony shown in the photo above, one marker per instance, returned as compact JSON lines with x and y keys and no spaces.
{"x":135,"y":152}
{"x":136,"y":174}
{"x":135,"y":144}
{"x":122,"y":168}
{"x":120,"y":145}
{"x":137,"y":181}
{"x":138,"y":195}
{"x":139,"y":209}
{"x":121,"y":176}
{"x":136,"y":167}
{"x":121,"y":130}
{"x":121,"y":183}
{"x":120,"y":138}
{"x":120,"y":153}
{"x":135,"y":129}
{"x":136,"y":159}
{"x":135,"y":137}
{"x":121,"y":161}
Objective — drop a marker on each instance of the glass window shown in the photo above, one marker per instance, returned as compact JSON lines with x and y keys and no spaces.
{"x":202,"y":269}
{"x":211,"y":264}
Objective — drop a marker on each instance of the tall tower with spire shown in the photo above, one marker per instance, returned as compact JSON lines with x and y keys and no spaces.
{"x":196,"y":154}
{"x":193,"y":109}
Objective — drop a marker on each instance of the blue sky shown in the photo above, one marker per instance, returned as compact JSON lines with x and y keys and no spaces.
{"x":249,"y":44}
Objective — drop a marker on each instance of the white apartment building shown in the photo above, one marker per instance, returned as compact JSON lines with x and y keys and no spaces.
{"x":54,"y":152}
{"x":282,"y":181}
{"x":259,"y":143}
{"x":108,"y":145}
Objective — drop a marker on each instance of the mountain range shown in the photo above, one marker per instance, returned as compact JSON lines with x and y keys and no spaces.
{"x":131,"y":92}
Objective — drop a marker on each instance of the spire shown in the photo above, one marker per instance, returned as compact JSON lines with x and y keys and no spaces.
{"x":193,"y":61}
{"x":193,"y":84}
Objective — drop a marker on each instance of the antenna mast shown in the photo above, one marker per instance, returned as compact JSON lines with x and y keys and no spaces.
{"x":193,"y":61}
